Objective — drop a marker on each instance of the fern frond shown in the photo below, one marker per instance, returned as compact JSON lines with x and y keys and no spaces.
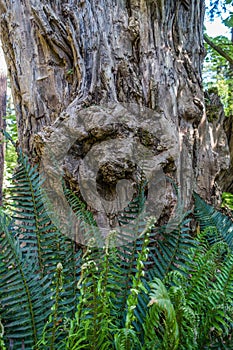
{"x":205,"y":290}
{"x":220,"y":225}
{"x":40,"y":246}
{"x":167,"y":336}
{"x":127,"y":339}
{"x":170,"y":250}
{"x":24,"y":293}
{"x":87,"y":227}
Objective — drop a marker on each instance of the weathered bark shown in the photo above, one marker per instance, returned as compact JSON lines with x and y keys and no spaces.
{"x":64,"y":56}
{"x":137,"y":51}
{"x":225,"y":178}
{"x":219,"y":128}
{"x":3,"y":86}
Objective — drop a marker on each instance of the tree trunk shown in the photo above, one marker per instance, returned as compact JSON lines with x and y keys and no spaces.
{"x":3,"y":86}
{"x":68,"y":59}
{"x":225,"y":178}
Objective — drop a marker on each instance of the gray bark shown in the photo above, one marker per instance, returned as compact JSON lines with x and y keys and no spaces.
{"x":225,"y":178}
{"x":65,"y":56}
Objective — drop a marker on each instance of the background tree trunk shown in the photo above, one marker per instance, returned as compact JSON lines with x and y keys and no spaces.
{"x":64,"y":56}
{"x":3,"y":87}
{"x":225,"y":178}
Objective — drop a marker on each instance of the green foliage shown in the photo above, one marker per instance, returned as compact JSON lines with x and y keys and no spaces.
{"x":10,"y":152}
{"x":194,"y":312}
{"x":163,"y":290}
{"x":218,"y":72}
{"x":161,"y":327}
{"x":31,"y":248}
{"x":218,"y":7}
{"x":219,"y":226}
{"x":229,"y":21}
{"x":227,"y":200}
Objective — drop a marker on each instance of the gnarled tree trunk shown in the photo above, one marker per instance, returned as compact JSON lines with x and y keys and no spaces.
{"x":66,"y":56}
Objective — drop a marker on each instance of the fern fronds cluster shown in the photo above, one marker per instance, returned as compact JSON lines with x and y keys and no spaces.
{"x":164,"y":289}
{"x":31,"y":247}
{"x":220,"y":226}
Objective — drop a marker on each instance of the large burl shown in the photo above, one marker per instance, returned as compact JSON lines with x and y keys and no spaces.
{"x":103,"y":153}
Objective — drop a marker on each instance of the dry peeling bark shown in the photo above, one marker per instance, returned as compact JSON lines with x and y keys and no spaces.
{"x":64,"y":56}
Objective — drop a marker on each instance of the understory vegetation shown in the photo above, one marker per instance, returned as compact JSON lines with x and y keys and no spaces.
{"x":168,"y":289}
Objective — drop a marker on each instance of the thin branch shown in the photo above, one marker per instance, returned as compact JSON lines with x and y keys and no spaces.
{"x":218,"y":49}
